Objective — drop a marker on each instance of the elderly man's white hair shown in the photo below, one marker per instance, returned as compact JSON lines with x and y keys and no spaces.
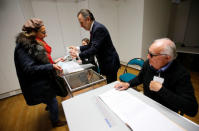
{"x":169,"y":47}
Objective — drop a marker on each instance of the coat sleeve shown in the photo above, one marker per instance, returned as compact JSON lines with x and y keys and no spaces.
{"x":85,"y":47}
{"x":139,"y":78}
{"x":89,"y":60}
{"x":28,"y":65}
{"x":184,"y":98}
{"x":96,"y":43}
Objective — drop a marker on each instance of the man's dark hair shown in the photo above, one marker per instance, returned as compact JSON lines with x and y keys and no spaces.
{"x":86,"y":13}
{"x":86,"y":40}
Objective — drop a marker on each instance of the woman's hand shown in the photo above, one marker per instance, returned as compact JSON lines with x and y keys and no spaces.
{"x":58,"y":69}
{"x":59,"y":59}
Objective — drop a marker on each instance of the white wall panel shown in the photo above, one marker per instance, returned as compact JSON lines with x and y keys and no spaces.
{"x":26,"y":8}
{"x":105,"y":12}
{"x":11,"y":21}
{"x":130,"y":19}
{"x":47,"y":10}
{"x":84,"y":4}
{"x":70,"y":28}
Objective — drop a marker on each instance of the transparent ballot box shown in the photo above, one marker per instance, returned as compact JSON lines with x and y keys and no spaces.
{"x":82,"y":79}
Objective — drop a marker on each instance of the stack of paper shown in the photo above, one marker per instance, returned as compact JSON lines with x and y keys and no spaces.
{"x":69,"y":67}
{"x":137,"y":114}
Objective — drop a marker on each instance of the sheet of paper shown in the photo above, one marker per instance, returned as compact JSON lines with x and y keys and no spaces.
{"x":137,"y":114}
{"x":69,"y":67}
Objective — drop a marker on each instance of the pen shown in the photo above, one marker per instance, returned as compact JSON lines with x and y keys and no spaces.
{"x":129,"y":127}
{"x":107,"y":121}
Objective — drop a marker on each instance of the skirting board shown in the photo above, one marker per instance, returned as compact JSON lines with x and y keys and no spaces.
{"x":11,"y":93}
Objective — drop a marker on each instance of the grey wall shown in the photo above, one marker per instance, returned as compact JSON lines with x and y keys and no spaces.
{"x":156,"y":22}
{"x":61,"y":23}
{"x":130,"y":24}
{"x":184,"y":27}
{"x":11,"y":19}
{"x":178,"y":21}
{"x":105,"y":12}
{"x":192,"y":28}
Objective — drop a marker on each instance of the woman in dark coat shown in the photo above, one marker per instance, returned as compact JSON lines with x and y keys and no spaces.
{"x":34,"y":69}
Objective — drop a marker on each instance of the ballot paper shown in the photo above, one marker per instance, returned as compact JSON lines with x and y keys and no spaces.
{"x":69,"y":67}
{"x":137,"y":114}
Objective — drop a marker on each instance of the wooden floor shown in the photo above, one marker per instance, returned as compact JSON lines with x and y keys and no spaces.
{"x":15,"y":115}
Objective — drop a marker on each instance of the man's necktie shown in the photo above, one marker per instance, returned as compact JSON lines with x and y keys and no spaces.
{"x":90,"y":36}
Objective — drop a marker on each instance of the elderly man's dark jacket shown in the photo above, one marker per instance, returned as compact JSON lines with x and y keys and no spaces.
{"x":177,"y":92}
{"x":33,"y":70}
{"x":101,"y":45}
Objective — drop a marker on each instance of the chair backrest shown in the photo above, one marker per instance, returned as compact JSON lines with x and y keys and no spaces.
{"x":136,"y":61}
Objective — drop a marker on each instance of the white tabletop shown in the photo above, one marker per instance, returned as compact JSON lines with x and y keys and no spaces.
{"x":84,"y":113}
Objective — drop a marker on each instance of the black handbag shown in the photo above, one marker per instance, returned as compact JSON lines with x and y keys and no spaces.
{"x":60,"y":89}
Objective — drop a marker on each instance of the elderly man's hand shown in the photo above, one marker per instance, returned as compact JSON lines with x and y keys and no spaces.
{"x":122,"y":86}
{"x":155,"y":86}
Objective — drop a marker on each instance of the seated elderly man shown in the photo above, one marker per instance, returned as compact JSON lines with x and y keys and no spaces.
{"x":165,"y":80}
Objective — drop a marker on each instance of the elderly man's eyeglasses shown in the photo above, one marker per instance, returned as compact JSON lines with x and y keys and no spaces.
{"x":152,"y":55}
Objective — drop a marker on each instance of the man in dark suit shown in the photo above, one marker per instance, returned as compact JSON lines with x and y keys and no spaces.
{"x":100,"y":45}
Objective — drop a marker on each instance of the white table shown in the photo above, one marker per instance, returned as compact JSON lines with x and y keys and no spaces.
{"x":84,"y":113}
